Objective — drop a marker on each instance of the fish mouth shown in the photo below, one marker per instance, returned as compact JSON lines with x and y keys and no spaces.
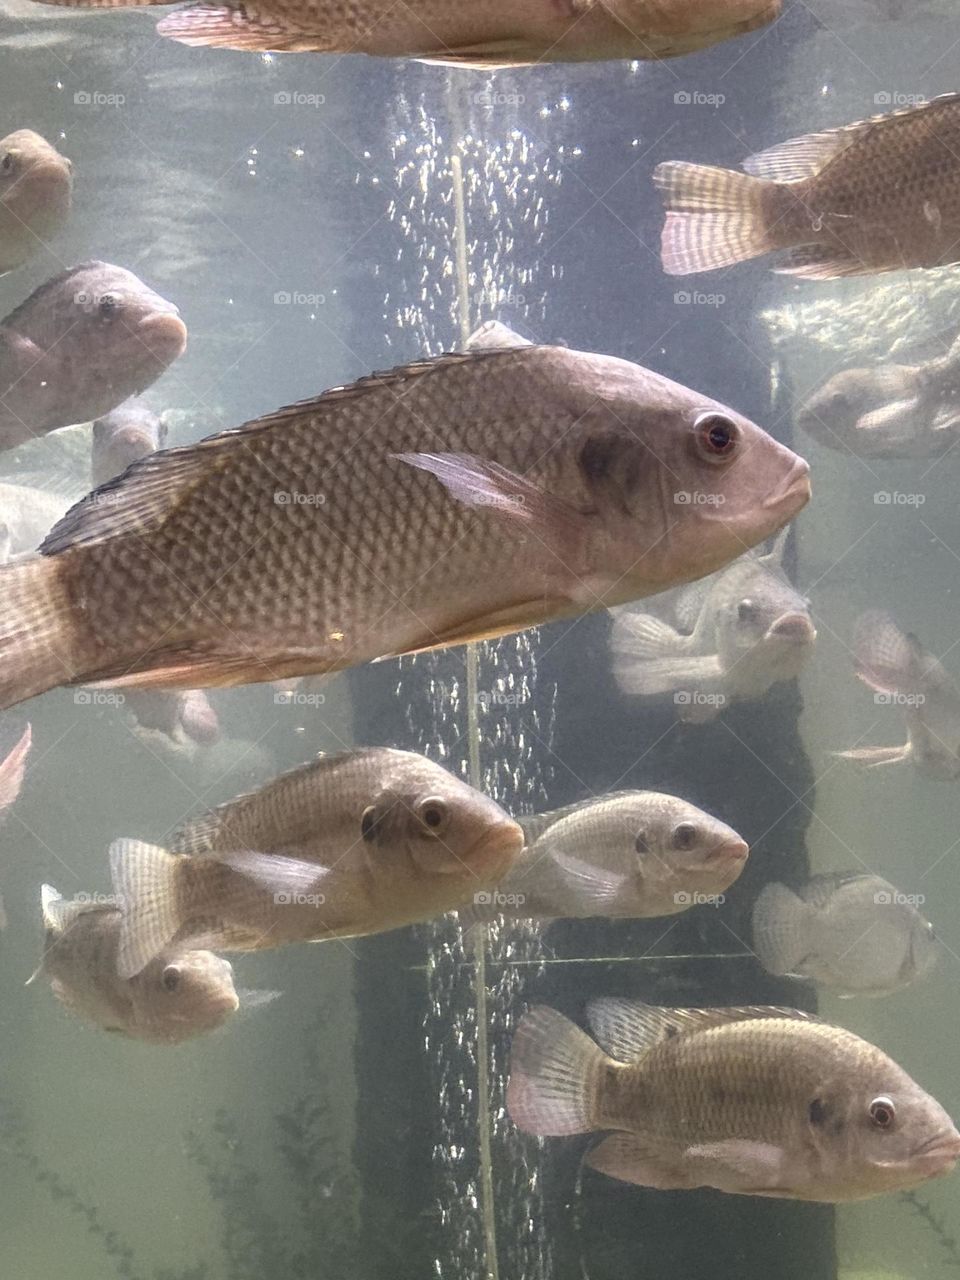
{"x":498,"y":846}
{"x":939,"y":1154}
{"x":729,"y":851}
{"x":164,"y":333}
{"x":795,"y":627}
{"x":794,"y":491}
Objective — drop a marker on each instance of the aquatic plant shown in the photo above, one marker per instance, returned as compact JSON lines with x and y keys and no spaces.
{"x":936,"y":1225}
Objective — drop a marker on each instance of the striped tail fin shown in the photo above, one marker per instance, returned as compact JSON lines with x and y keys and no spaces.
{"x":715,"y":217}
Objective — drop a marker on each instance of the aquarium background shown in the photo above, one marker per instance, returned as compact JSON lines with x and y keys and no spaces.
{"x":316,"y":218}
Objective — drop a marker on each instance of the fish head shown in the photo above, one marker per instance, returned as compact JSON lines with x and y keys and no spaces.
{"x":759,"y":612}
{"x":687,"y":849}
{"x":872,"y":413}
{"x":686,"y":484}
{"x":441,"y":827}
{"x":34,"y":176}
{"x":121,"y":438}
{"x":182,"y":994}
{"x":876,"y":1130}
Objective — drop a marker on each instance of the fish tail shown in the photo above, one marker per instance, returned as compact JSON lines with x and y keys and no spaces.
{"x":34,"y":630}
{"x":554,"y":1075}
{"x":715,"y":217}
{"x":145,"y":880}
{"x":778,"y":920}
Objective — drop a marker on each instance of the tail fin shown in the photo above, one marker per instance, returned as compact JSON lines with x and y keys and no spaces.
{"x":34,"y":617}
{"x":554,"y":1075}
{"x":778,"y":934}
{"x":715,"y":217}
{"x":145,"y":882}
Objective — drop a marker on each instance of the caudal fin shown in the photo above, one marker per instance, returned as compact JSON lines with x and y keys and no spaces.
{"x":779,"y":928}
{"x":715,"y":217}
{"x":554,"y":1075}
{"x":34,"y":613}
{"x":145,"y":882}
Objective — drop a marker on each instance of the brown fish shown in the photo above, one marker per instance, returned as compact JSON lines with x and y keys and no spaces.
{"x":350,"y":844}
{"x":486,"y":34}
{"x":880,"y":195}
{"x":81,"y":344}
{"x":36,"y":183}
{"x":454,"y":499}
{"x":902,"y":673}
{"x":179,"y":995}
{"x":755,"y":1101}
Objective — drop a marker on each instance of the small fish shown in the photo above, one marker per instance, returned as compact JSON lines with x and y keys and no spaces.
{"x":897,"y":666}
{"x":754,"y":1101}
{"x":350,"y":844}
{"x":550,"y":462}
{"x":892,"y":411}
{"x":27,"y":514}
{"x":485,"y":35}
{"x":180,"y":994}
{"x":850,"y":931}
{"x":122,"y":437}
{"x":631,"y":853}
{"x":879,"y":195}
{"x":79,"y":346}
{"x":36,"y":183}
{"x":751,"y":629}
{"x":12,"y":770}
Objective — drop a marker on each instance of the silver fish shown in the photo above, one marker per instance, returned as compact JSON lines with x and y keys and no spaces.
{"x":750,"y":630}
{"x":755,"y":1101}
{"x":122,"y":437}
{"x":902,"y":673}
{"x":853,"y":932}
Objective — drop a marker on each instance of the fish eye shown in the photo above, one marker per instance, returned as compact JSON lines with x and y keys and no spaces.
{"x":432,"y":812}
{"x":817,"y":1111}
{"x":684,"y":835}
{"x":641,"y":844}
{"x":746,"y":611}
{"x":717,"y":436}
{"x":108,"y":304}
{"x":170,"y":978}
{"x":883,"y":1112}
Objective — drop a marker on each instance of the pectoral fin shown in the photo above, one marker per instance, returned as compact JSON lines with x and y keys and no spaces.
{"x":596,"y":885}
{"x":737,"y":1165}
{"x":275,"y":872}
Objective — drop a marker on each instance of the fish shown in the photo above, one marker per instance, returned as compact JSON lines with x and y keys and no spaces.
{"x":379,"y":519}
{"x":178,"y":995}
{"x":849,"y":931}
{"x":346,"y":845}
{"x":36,"y":187}
{"x":756,"y":1101}
{"x":751,"y":629}
{"x":79,"y":346}
{"x":123,"y":436}
{"x":13,"y":768}
{"x":891,"y":411}
{"x":486,"y":35}
{"x":879,"y":195}
{"x":901,"y":672}
{"x":27,"y":514}
{"x":184,"y":717}
{"x":627,"y":854}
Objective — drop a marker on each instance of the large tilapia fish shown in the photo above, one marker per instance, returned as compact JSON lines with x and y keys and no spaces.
{"x":879,"y":195}
{"x":457,"y":498}
{"x":487,"y":34}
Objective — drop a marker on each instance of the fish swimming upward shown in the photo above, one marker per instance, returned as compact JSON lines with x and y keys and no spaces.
{"x":36,"y":183}
{"x":486,"y":34}
{"x":880,"y":195}
{"x":755,"y":1101}
{"x":455,"y":499}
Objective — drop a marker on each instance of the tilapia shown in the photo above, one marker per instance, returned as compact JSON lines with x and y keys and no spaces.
{"x":36,"y":183}
{"x":891,"y":411}
{"x":122,"y":437}
{"x":487,"y":34}
{"x":631,"y":853}
{"x":350,"y":844}
{"x":79,"y":346}
{"x":751,"y":629}
{"x":901,"y":672}
{"x":455,"y":499}
{"x":179,"y":995}
{"x":850,"y":931}
{"x":755,"y":1101}
{"x":879,"y":195}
